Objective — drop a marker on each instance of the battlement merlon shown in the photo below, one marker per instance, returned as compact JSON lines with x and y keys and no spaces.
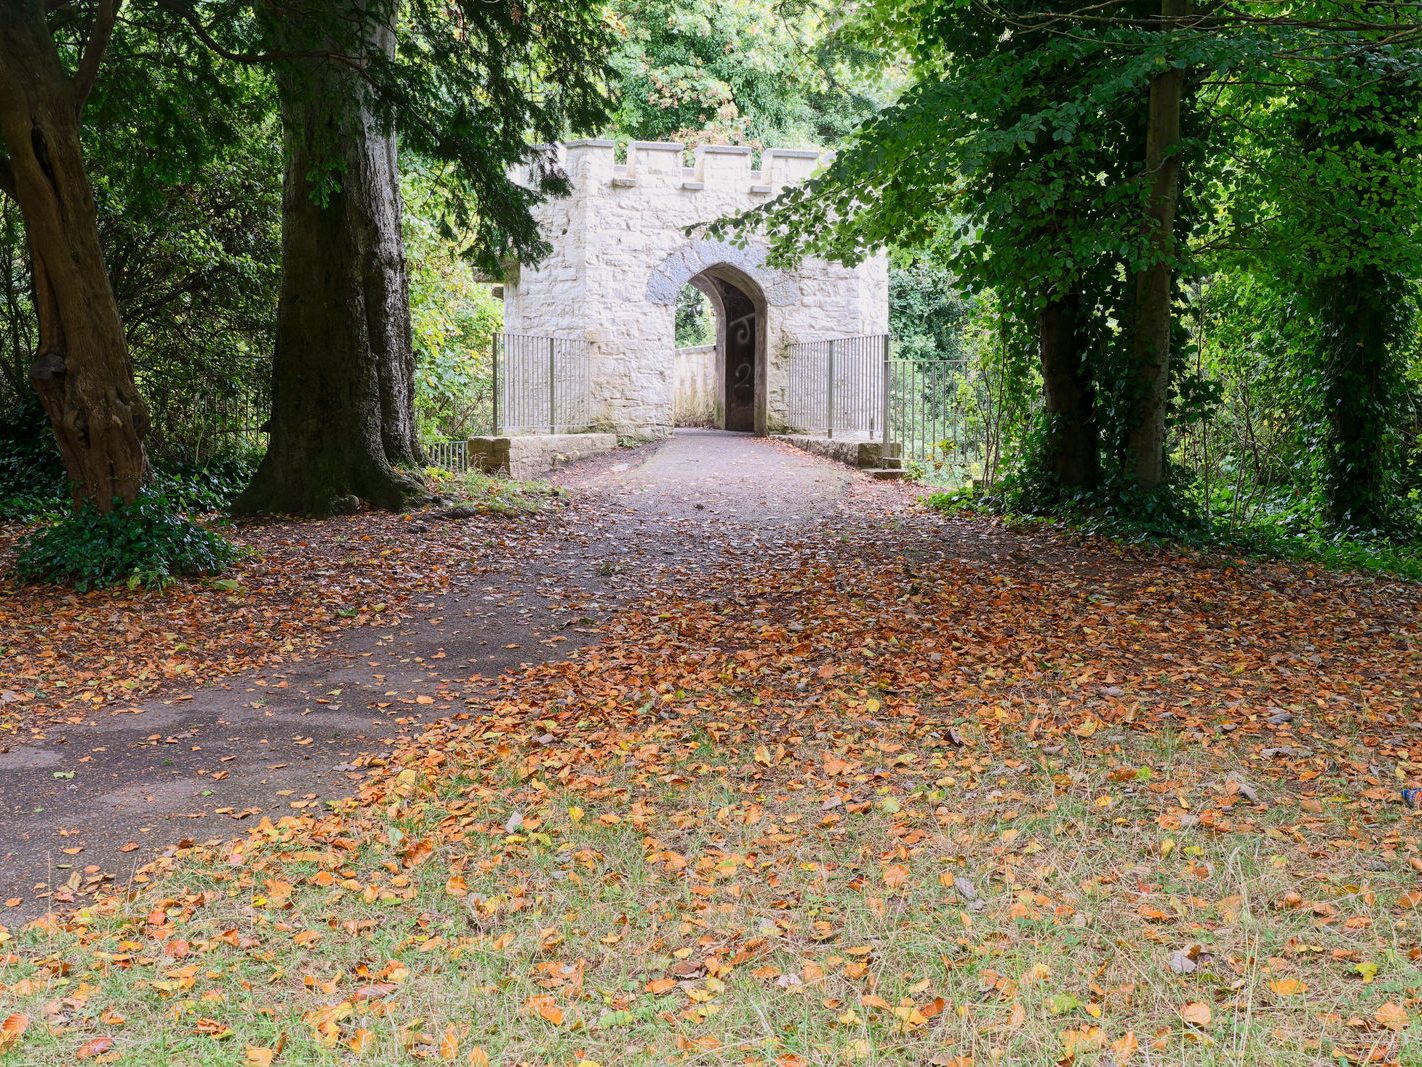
{"x":592,"y":163}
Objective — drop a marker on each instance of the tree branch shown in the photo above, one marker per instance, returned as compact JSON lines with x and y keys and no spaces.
{"x":203,"y":34}
{"x":88,"y":71}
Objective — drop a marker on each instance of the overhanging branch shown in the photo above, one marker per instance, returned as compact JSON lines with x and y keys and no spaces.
{"x":88,"y":71}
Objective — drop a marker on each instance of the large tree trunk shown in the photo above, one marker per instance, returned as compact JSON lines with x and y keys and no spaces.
{"x":343,"y":371}
{"x":1150,"y":343}
{"x":1073,"y":439}
{"x":82,"y":370}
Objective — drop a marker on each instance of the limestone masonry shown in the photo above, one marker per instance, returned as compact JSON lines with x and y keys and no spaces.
{"x":621,"y":255}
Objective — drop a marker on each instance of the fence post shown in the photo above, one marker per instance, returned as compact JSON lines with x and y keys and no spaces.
{"x":552,"y":388}
{"x":829,"y":394}
{"x":884,"y":428}
{"x":495,"y":426}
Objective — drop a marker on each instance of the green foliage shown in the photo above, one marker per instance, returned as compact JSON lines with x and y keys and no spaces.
{"x":1168,"y":517}
{"x":695,"y":320}
{"x":209,"y":486}
{"x":145,"y":543}
{"x":929,"y":313}
{"x":454,"y":318}
{"x":32,"y":476}
{"x":754,"y":72}
{"x":492,"y":494}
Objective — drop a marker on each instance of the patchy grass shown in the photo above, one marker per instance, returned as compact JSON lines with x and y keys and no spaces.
{"x":492,"y":494}
{"x":879,"y":804}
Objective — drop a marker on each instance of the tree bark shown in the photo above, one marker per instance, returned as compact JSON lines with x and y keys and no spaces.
{"x":1073,"y":438}
{"x":1150,"y":343}
{"x":82,"y":371}
{"x":343,"y":370}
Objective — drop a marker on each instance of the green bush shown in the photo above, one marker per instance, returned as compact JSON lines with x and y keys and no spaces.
{"x":144,"y":543}
{"x":203,"y":487}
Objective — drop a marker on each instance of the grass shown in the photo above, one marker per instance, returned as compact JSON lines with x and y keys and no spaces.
{"x":492,"y":494}
{"x":958,"y":814}
{"x":1265,"y":538}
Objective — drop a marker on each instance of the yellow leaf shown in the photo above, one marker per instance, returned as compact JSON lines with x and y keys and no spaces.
{"x":762,"y":755}
{"x":895,"y":875}
{"x":260,"y":1057}
{"x":478,"y":1058}
{"x":1197,"y":1013}
{"x":449,"y":1044}
{"x":1167,"y":847}
{"x":871,"y":706}
{"x":1393,"y":1015}
{"x":361,"y":1040}
{"x":575,"y":814}
{"x":1287,"y":987}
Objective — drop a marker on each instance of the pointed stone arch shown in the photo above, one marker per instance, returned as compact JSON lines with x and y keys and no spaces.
{"x":679,"y":268}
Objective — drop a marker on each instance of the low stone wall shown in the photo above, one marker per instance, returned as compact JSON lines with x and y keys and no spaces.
{"x":526,"y":456}
{"x":694,"y":372}
{"x":854,"y":451}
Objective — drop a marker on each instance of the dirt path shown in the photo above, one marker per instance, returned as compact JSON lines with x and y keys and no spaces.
{"x":96,"y":800}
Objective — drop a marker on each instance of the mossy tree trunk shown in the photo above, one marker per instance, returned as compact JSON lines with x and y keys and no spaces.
{"x":1154,"y":319}
{"x":1072,"y":445}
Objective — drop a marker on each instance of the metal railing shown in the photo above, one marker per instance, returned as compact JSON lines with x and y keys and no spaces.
{"x":541,"y":384}
{"x":938,"y":415}
{"x":941,"y":416}
{"x":837,"y":385}
{"x":450,"y":454}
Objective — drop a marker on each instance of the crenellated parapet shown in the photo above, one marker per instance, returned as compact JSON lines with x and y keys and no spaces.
{"x":592,"y":164}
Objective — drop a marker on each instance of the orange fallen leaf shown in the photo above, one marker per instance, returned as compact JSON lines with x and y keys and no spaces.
{"x":1197,"y":1013}
{"x":1393,"y":1016}
{"x":96,"y":1047}
{"x":12,"y":1029}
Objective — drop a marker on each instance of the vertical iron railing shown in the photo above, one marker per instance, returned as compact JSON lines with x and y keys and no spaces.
{"x":542,"y":384}
{"x":836,"y":385}
{"x":935,"y":414}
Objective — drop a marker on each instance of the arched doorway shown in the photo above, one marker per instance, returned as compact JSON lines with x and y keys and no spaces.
{"x":739,"y":308}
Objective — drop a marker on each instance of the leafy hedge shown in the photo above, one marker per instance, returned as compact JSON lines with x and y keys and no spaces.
{"x":146,"y":543}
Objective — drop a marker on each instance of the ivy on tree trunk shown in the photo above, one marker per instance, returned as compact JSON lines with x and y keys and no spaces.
{"x":1150,"y":343}
{"x":1072,"y":448}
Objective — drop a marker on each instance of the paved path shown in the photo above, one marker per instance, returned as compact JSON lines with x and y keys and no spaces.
{"x":123,"y":789}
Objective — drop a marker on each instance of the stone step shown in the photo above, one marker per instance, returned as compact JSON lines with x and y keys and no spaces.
{"x":885,"y":474}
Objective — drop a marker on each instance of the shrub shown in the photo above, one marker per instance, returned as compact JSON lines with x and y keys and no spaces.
{"x":208,"y":486}
{"x":143,"y":543}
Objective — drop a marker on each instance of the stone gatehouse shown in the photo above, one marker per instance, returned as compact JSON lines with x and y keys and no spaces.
{"x":621,"y":255}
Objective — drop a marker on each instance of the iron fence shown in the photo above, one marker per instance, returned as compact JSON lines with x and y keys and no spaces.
{"x":450,"y":454}
{"x":939,"y":415}
{"x":541,"y":385}
{"x":942,"y":417}
{"x":837,"y":385}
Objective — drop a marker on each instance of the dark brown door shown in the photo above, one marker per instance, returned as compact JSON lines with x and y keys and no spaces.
{"x":741,"y":337}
